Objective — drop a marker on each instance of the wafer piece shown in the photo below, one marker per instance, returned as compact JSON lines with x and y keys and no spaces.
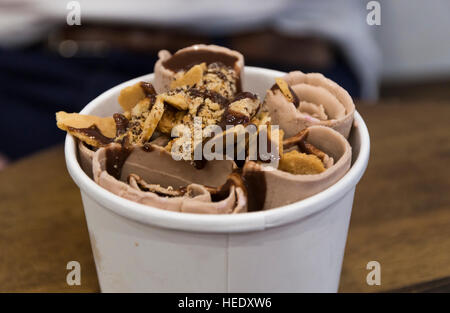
{"x":298,"y":163}
{"x":177,"y":100}
{"x":106,"y":124}
{"x":93,"y":130}
{"x":152,"y":120}
{"x":285,"y":90}
{"x":190,"y":78}
{"x":130,"y":96}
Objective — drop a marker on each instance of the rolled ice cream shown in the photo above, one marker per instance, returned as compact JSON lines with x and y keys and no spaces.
{"x":309,"y":99}
{"x":140,"y":154}
{"x":283,"y":187}
{"x":149,"y":175}
{"x":169,"y":67}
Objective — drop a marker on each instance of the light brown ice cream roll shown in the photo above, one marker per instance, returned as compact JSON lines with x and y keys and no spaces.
{"x":85,"y":153}
{"x":168,"y":64}
{"x":320,"y":102}
{"x":155,"y":167}
{"x":282,"y":188}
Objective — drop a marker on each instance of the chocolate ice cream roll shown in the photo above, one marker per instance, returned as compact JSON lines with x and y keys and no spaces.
{"x":218,"y":68}
{"x":85,"y":155}
{"x":298,"y":100}
{"x":149,"y":175}
{"x":311,"y":162}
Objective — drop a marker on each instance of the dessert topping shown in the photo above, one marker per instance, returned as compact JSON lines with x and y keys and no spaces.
{"x":286,"y":90}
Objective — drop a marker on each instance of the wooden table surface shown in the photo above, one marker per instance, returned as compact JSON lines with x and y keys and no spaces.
{"x":401,"y":213}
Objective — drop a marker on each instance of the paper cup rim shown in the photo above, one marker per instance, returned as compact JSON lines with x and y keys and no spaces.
{"x":212,"y":223}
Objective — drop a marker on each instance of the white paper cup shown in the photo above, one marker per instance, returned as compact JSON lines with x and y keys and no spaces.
{"x":295,"y":248}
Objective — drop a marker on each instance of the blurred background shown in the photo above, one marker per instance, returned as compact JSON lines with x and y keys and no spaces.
{"x":47,"y":65}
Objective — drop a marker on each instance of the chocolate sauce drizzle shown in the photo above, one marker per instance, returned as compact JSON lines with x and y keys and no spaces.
{"x":209,"y":94}
{"x":234,"y":118}
{"x":200,"y":164}
{"x":244,"y":95}
{"x":149,"y":91}
{"x":296,"y":101}
{"x":256,"y":186}
{"x":217,"y":72}
{"x":121,"y":124}
{"x":183,"y":61}
{"x":252,"y":183}
{"x":296,"y":139}
{"x":93,"y":132}
{"x":115,"y":159}
{"x":147,"y":147}
{"x":222,"y":192}
{"x":179,"y":61}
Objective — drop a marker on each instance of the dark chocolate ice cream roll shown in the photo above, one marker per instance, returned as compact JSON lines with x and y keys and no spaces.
{"x":309,"y":99}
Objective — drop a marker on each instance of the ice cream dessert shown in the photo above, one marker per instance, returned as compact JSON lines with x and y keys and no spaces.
{"x":298,"y":100}
{"x":149,"y":175}
{"x":148,"y":153}
{"x":169,"y":67}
